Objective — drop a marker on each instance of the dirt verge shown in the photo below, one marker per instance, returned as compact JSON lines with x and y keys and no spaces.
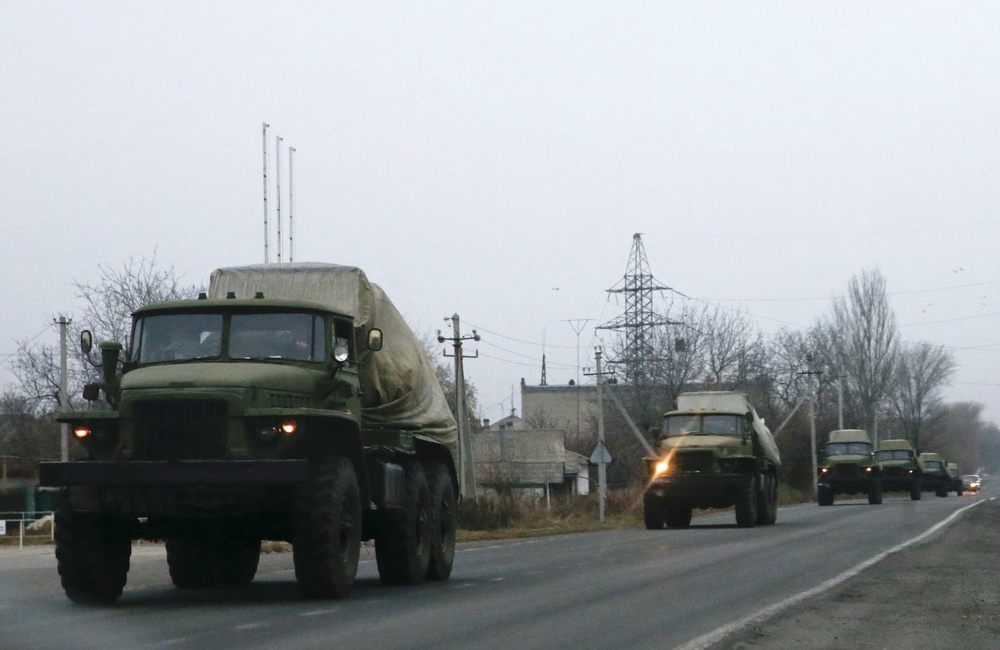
{"x":943,"y":592}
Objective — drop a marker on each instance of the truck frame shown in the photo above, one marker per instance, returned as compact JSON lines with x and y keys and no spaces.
{"x":849,"y":468}
{"x":236,"y":420}
{"x":715,"y":453}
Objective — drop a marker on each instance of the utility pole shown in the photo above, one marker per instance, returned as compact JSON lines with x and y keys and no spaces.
{"x":466,"y":468}
{"x":600,"y":456}
{"x":578,"y":324}
{"x":63,"y":322}
{"x":813,"y":370}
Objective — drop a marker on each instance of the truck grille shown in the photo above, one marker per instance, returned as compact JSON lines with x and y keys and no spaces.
{"x":893,"y":472}
{"x":693,"y":461}
{"x":180,"y":429}
{"x":847,"y":471}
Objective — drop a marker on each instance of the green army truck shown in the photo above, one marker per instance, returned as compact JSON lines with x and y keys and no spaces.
{"x":954,"y":478}
{"x":935,"y":477}
{"x":901,"y":471}
{"x":715,"y":452}
{"x":291,"y":402}
{"x":849,"y":468}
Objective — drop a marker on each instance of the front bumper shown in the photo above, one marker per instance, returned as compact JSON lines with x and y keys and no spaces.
{"x":171,"y":473}
{"x":698,"y":490}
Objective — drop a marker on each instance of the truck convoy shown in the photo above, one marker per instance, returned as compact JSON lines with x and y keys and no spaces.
{"x":954,"y":478}
{"x":935,"y":477}
{"x":291,"y":402}
{"x":715,"y":452}
{"x":901,"y":470}
{"x":850,"y":468}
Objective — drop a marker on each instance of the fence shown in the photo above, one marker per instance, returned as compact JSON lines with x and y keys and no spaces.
{"x":26,"y":527}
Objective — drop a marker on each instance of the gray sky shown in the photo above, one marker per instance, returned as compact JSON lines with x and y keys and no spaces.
{"x":472,"y":157}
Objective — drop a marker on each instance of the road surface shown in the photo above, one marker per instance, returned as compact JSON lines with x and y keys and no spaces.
{"x":629,"y":588}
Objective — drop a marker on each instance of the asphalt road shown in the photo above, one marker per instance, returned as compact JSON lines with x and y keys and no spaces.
{"x":630,"y":588}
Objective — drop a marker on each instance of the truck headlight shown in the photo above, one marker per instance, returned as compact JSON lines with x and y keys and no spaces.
{"x":661,"y":467}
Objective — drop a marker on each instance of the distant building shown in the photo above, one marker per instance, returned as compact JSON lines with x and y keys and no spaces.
{"x":572,"y":408}
{"x":531,"y":462}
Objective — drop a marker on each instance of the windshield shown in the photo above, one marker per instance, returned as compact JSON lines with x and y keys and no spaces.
{"x":177,"y":337}
{"x":276,"y":336}
{"x":933,"y":464}
{"x":188,"y":336}
{"x":894,"y":454}
{"x":844,"y":448}
{"x":720,"y":425}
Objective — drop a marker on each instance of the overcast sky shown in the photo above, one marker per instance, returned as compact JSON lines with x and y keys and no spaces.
{"x":493,"y":159}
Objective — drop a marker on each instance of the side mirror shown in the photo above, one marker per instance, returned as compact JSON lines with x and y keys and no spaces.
{"x":374,"y":339}
{"x":86,"y":341}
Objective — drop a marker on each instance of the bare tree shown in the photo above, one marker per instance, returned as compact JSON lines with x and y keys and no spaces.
{"x":108,"y":305}
{"x":864,"y":337}
{"x":734,"y":350}
{"x":922,"y":371}
{"x":27,"y":433}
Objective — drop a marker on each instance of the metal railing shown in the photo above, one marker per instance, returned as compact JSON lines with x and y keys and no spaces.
{"x":27,"y":528}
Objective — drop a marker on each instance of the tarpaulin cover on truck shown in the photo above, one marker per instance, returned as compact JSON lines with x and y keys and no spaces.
{"x":399,"y":381}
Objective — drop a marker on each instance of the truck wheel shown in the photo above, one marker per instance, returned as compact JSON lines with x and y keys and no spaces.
{"x":444,"y":521}
{"x":93,"y":553}
{"x":746,"y":503}
{"x":653,"y":512}
{"x":238,"y":559}
{"x":678,"y":517}
{"x":191,"y":561}
{"x":875,"y":493}
{"x":326,"y":530}
{"x":941,"y":490}
{"x":915,"y":490}
{"x":403,"y":540}
{"x":767,"y":506}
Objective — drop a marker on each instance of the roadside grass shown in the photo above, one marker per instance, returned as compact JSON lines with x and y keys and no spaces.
{"x":507,"y":517}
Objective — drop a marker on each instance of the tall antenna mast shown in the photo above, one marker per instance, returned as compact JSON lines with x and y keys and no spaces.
{"x":266,"y":254}
{"x":277,"y":155}
{"x":291,"y":231}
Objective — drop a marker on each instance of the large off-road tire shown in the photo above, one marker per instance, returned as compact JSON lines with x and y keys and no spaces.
{"x":327,"y":529}
{"x":93,"y":553}
{"x":746,"y":503}
{"x":403,"y":538}
{"x":204,"y":562}
{"x":824,"y":495}
{"x":875,"y":492}
{"x":238,"y":560}
{"x":192,"y":562}
{"x":767,"y":506}
{"x":444,"y":520}
{"x":916,"y":490}
{"x":654,"y":513}
{"x":678,"y":516}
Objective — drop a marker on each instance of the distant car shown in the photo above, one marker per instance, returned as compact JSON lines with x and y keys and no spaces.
{"x":970,"y":483}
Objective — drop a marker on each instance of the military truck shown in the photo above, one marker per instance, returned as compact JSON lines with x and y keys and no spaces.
{"x":901,"y":471}
{"x":955,"y":478}
{"x":935,"y":477}
{"x":849,"y":468}
{"x":291,"y":402}
{"x":715,"y":452}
